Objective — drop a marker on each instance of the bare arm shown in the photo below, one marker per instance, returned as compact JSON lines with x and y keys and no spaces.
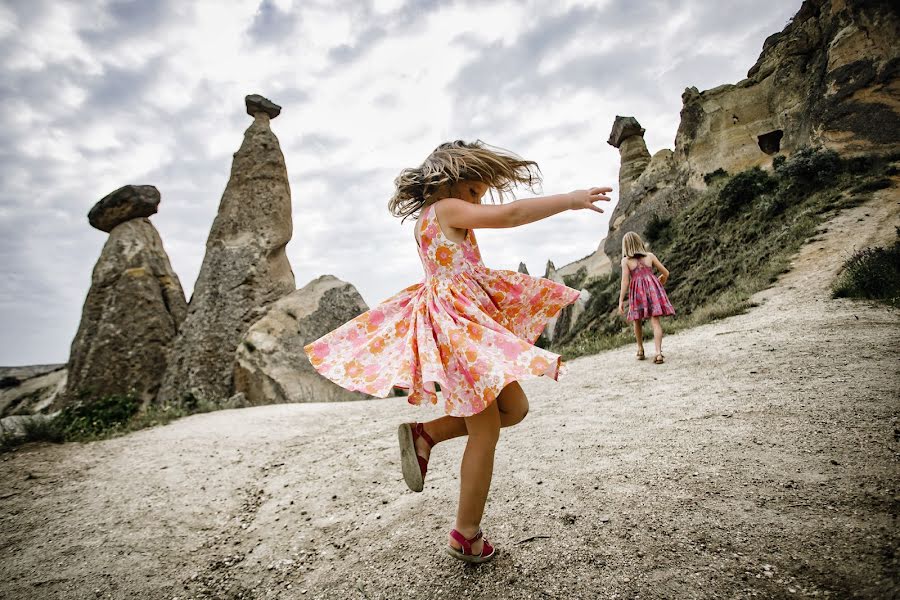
{"x":663,"y":272}
{"x":626,"y":280}
{"x":460,"y":214}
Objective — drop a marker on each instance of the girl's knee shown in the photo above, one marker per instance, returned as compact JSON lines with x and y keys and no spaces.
{"x":518,"y":413}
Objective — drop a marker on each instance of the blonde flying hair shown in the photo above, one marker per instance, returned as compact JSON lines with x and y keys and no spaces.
{"x":452,"y":162}
{"x":632,"y":245}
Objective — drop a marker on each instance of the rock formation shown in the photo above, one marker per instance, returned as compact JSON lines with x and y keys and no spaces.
{"x":523,"y":268}
{"x":549,"y":332}
{"x":559,"y":326}
{"x":270,"y":365}
{"x":126,"y":203}
{"x":829,"y":78}
{"x":245,"y":268}
{"x":29,"y":390}
{"x":133,"y":308}
{"x":596,"y":264}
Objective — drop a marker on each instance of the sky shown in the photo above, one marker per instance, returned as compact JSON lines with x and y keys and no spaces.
{"x":96,"y":95}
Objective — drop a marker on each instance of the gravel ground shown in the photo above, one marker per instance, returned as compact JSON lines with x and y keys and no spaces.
{"x":760,"y":461}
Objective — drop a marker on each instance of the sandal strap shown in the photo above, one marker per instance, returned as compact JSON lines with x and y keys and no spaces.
{"x":467,"y":543}
{"x":462,"y":541}
{"x":419,"y":431}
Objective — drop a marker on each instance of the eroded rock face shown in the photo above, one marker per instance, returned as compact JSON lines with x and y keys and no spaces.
{"x":30,"y":390}
{"x":131,"y":315}
{"x":245,"y":269}
{"x":126,"y":203}
{"x":829,"y":78}
{"x":596,"y":264}
{"x":270,"y":364}
{"x":523,"y":268}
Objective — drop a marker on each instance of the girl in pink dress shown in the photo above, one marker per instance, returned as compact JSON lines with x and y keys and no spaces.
{"x":646,"y":297}
{"x":466,"y":328}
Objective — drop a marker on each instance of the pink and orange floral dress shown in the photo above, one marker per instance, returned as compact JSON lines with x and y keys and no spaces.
{"x":466,"y":327}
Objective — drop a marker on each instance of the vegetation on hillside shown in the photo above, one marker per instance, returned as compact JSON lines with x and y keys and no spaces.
{"x":734,"y":239}
{"x":872,"y":273}
{"x":94,"y":419}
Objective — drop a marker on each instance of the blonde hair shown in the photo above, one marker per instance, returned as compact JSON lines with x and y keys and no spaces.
{"x":632,"y":245}
{"x":452,"y":162}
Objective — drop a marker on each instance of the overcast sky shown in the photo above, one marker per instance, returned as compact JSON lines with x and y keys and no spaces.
{"x":96,"y":95}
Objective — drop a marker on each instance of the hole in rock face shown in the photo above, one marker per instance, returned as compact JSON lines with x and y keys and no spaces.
{"x":770,"y":143}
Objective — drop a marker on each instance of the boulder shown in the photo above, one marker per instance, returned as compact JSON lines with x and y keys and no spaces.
{"x":126,"y":203}
{"x":523,"y":268}
{"x":245,"y":269}
{"x":29,"y":390}
{"x":270,"y":365}
{"x":132,"y":313}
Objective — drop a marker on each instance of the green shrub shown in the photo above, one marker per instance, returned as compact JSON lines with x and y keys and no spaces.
{"x":710,"y":177}
{"x":872,"y":273}
{"x":91,"y":419}
{"x":576,"y":279}
{"x":810,"y":168}
{"x":658,"y":230}
{"x":742,"y":190}
{"x":778,"y":161}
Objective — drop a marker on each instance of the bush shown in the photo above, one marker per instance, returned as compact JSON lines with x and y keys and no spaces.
{"x":658,"y":229}
{"x":742,"y":190}
{"x":710,"y":177}
{"x":872,"y":273}
{"x":778,"y":161}
{"x":810,"y":168}
{"x":88,"y":420}
{"x":576,"y":279}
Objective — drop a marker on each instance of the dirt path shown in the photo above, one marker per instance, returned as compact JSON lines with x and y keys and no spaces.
{"x":761,"y":460}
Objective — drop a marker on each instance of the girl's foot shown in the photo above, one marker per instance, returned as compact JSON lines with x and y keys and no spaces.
{"x":660,"y":359}
{"x":640,"y":353}
{"x":472,"y":550}
{"x":414,"y":443}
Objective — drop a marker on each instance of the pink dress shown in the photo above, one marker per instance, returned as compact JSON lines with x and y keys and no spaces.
{"x":466,"y":327}
{"x":646,"y":295}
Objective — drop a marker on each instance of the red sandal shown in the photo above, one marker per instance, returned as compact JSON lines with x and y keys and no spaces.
{"x":413,"y":465}
{"x":465,"y":553}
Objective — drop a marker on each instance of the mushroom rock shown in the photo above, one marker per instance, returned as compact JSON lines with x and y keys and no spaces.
{"x":245,"y":268}
{"x":131,"y":315}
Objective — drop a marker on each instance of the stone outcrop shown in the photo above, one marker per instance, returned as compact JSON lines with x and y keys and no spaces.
{"x":596,"y":264}
{"x":523,"y":268}
{"x":126,"y":203}
{"x":132,"y":313}
{"x":245,"y":268}
{"x":828,"y":79}
{"x":31,"y":389}
{"x":560,"y":325}
{"x":270,"y":364}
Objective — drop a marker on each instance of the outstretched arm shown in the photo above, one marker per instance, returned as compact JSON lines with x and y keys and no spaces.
{"x":454,"y":212}
{"x":663,"y":272}
{"x":626,"y":280}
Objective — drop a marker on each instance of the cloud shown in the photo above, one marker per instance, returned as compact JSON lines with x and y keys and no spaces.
{"x":270,"y":24}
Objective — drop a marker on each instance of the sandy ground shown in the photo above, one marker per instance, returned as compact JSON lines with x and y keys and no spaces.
{"x":760,"y":461}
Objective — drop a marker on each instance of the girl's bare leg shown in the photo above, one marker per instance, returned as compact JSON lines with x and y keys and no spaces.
{"x":657,"y":334}
{"x":639,"y":334}
{"x":512,"y":404}
{"x":476,"y":471}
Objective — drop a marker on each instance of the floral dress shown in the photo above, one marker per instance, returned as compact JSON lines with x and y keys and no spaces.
{"x":467,"y":328}
{"x":646,"y":295}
